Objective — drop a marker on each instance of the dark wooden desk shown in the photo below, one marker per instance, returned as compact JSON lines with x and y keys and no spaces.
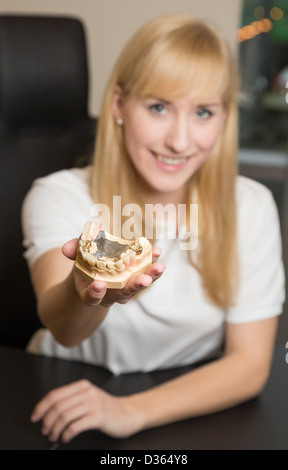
{"x":259,"y":424}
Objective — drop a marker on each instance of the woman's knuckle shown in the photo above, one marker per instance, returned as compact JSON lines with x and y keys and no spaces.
{"x":63,"y":418}
{"x":58,"y":409}
{"x":84,"y":383}
{"x":52,"y":396}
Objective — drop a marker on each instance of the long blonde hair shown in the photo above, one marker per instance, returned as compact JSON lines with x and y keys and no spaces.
{"x":175,"y":56}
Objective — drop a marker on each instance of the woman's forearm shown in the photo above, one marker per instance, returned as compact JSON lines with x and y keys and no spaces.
{"x":62,"y":311}
{"x":213,"y":387}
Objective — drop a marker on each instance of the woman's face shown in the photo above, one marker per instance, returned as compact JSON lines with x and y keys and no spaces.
{"x":168,"y":141}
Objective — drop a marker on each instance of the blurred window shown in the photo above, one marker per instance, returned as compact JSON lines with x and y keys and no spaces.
{"x":263,"y":53}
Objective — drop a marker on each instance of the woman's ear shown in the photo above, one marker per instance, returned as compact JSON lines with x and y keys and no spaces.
{"x":117,"y":103}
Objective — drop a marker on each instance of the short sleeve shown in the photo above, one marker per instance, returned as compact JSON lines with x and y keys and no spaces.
{"x":262,"y":280}
{"x":53,"y":212}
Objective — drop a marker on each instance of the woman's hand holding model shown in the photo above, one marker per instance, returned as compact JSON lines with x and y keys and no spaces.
{"x":95,"y":293}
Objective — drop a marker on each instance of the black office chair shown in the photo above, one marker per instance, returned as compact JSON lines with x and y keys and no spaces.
{"x":44,"y":127}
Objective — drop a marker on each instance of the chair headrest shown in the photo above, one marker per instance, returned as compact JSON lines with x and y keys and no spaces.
{"x":44,"y":72}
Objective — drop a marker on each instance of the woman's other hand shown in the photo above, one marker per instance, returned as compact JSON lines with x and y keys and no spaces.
{"x":69,"y":410}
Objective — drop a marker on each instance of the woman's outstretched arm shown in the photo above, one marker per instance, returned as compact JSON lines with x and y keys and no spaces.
{"x":69,"y":306}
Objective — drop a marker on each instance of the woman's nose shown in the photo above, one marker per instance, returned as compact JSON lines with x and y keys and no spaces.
{"x":179,"y":135}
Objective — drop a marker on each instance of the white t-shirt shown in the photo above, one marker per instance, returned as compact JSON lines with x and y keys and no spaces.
{"x":171,"y":323}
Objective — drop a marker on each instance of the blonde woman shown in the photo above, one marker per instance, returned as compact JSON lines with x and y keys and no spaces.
{"x":167,"y":135}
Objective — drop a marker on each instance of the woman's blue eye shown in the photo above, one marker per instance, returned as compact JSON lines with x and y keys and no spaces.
{"x":158,"y":108}
{"x":204,"y":113}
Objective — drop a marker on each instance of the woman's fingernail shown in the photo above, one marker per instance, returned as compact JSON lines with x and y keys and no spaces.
{"x":159,"y":271}
{"x":144,"y":284}
{"x":98,"y":289}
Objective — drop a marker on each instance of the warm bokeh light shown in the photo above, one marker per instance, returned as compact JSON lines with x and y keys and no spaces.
{"x":253,"y":29}
{"x":259,"y":12}
{"x":265,"y":25}
{"x":276,"y":13}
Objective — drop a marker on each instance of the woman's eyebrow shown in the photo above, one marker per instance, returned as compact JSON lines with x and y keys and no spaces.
{"x":167,"y":102}
{"x":210,"y":105}
{"x":158,"y":98}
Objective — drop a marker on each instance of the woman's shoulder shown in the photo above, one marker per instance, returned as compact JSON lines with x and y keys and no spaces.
{"x":64,"y":184}
{"x":248,"y":189}
{"x":252,"y":195}
{"x":63,"y":188}
{"x":54,"y":210}
{"x":255,"y":204}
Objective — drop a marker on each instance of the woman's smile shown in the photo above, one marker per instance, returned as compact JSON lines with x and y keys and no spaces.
{"x":169,"y":163}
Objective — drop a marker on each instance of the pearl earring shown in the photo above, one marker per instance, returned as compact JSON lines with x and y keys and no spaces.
{"x":119,"y":122}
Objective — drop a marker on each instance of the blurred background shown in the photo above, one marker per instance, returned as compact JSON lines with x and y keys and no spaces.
{"x":110,"y":23}
{"x":263,"y":54}
{"x":257,"y":30}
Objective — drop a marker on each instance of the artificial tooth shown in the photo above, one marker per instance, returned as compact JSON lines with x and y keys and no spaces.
{"x":136,"y":246}
{"x":119,"y":264}
{"x":101,"y":265}
{"x":144,"y":242}
{"x":110,"y":265}
{"x":86,"y":246}
{"x":129,"y":258}
{"x":132,"y":258}
{"x":91,"y":260}
{"x":126,"y":261}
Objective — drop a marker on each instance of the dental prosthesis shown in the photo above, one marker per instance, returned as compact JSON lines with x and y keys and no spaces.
{"x":101,"y":256}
